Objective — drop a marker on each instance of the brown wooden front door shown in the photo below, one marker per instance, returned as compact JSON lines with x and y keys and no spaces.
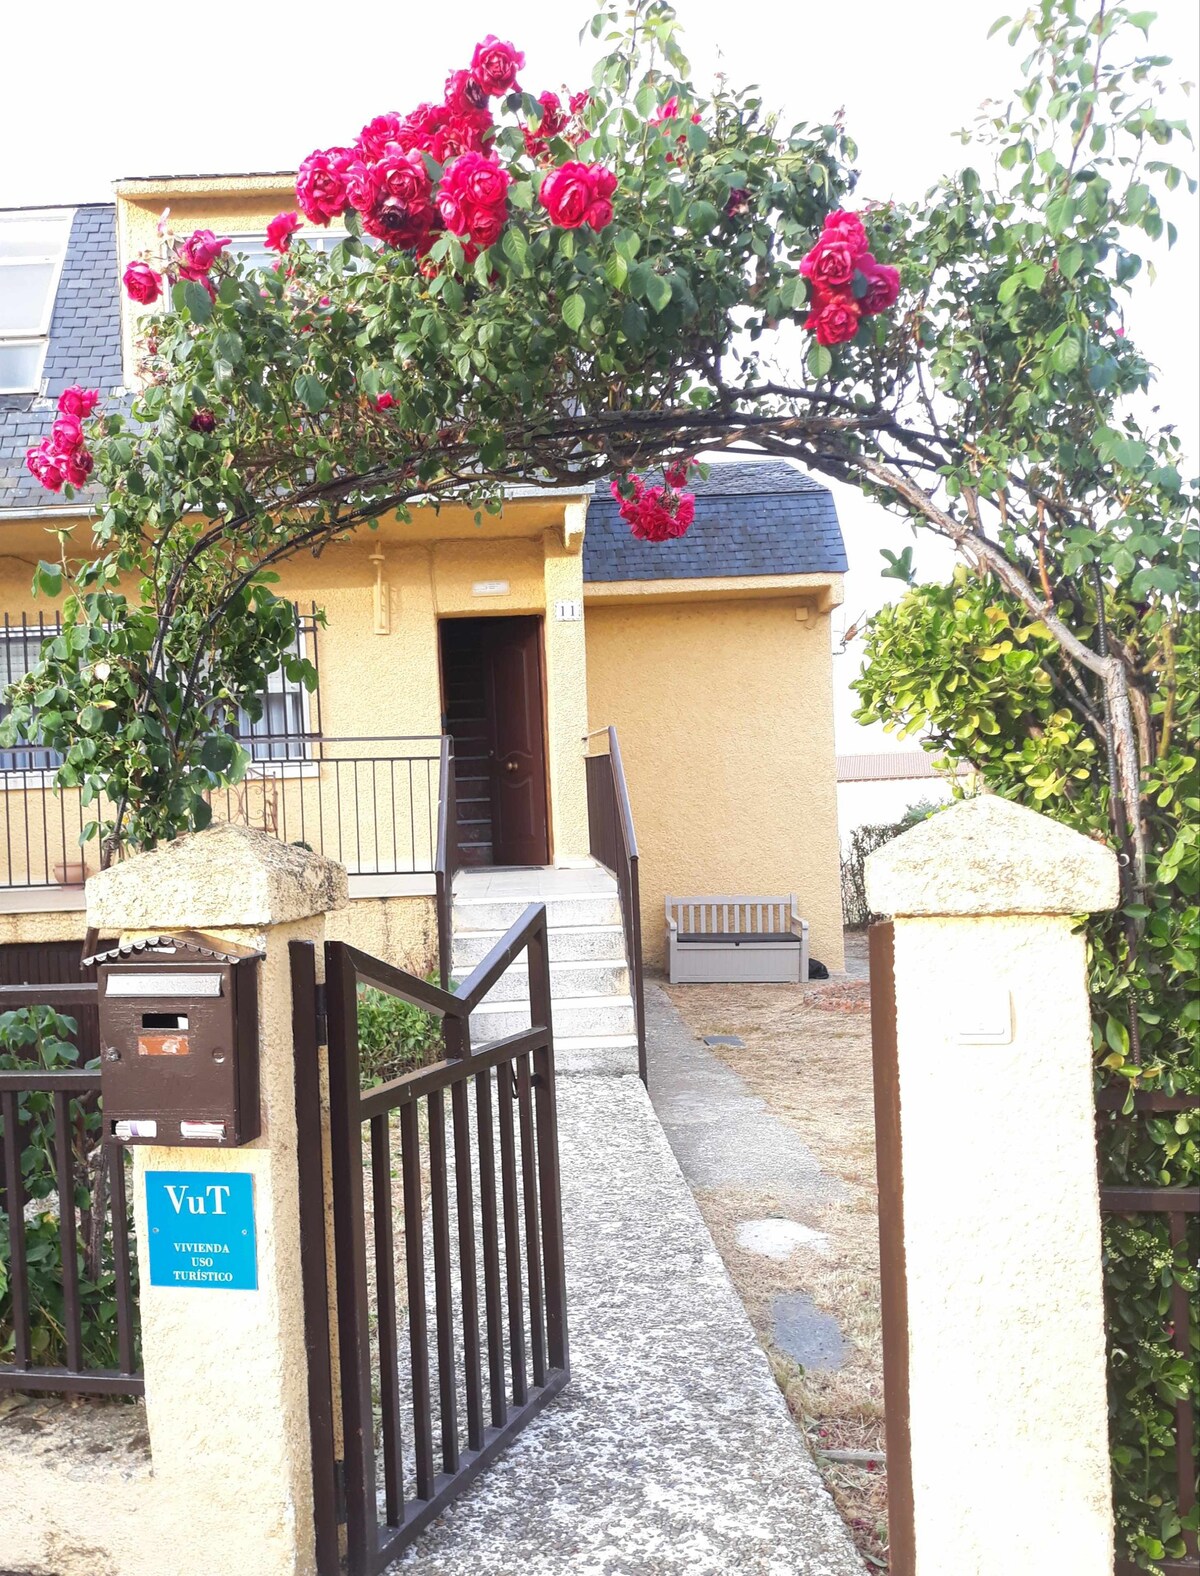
{"x":512,"y":651}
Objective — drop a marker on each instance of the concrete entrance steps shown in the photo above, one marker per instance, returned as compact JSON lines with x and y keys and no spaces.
{"x":671,"y":1452}
{"x":594,"y":1027}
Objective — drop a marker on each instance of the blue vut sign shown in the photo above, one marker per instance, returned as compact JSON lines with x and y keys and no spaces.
{"x":201,"y":1226}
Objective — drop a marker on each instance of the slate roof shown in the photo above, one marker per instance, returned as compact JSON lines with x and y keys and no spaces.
{"x":755,"y":518}
{"x":85,"y":348}
{"x":762,"y":517}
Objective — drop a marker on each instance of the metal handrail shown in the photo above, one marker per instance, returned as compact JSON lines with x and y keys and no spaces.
{"x":622,"y":860}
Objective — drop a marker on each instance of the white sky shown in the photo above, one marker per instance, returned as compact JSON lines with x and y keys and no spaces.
{"x":238,"y":85}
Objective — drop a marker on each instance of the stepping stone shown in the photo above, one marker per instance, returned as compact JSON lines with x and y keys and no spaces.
{"x":778,"y":1239}
{"x":805,"y":1334}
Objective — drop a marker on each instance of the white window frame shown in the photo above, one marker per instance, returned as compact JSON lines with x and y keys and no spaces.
{"x":245,"y":239}
{"x":307,"y":764}
{"x":38,"y":335}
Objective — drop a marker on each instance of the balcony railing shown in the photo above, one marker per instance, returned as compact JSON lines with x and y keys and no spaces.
{"x":369,"y":803}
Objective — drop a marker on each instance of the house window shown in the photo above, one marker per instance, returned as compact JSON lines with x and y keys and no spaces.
{"x":253,"y":250}
{"x":20,"y":648}
{"x":290,"y":721}
{"x":32,"y":248}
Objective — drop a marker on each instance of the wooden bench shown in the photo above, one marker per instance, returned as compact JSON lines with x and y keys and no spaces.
{"x":736,"y":940}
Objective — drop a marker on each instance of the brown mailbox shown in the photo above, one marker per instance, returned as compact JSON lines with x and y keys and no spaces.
{"x":179,"y":1043}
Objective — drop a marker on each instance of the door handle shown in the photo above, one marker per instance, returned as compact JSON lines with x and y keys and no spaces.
{"x":511,"y":766}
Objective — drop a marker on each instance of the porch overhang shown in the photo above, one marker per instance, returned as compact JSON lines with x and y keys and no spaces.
{"x":822,"y":592}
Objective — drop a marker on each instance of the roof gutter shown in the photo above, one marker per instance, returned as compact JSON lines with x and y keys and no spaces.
{"x":65,"y":511}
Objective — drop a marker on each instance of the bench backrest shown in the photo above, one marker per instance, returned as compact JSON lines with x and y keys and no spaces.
{"x":709,"y":916}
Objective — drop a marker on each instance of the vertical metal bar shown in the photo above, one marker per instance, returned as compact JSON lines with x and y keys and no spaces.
{"x":313,"y":1263}
{"x":67,"y":1234}
{"x":491,"y":1246}
{"x":385,"y":1297}
{"x":14,"y":1188}
{"x":443,"y":1289}
{"x":412,"y":819}
{"x":357,"y":821}
{"x":1185,"y":1422}
{"x":118,"y":1204}
{"x":458,"y":1044}
{"x":549,"y":1185}
{"x":350,"y":1257}
{"x":375,"y":809}
{"x":418,"y":1332}
{"x":512,"y":1236}
{"x":395,"y":829}
{"x":533,"y":1236}
{"x":337,"y":784}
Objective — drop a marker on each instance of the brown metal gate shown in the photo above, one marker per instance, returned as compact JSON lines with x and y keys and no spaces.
{"x":452,"y":1318}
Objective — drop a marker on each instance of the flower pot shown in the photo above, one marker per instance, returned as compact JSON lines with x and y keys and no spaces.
{"x":70,"y":873}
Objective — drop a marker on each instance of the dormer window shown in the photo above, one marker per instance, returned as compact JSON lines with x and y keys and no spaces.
{"x":32,"y":247}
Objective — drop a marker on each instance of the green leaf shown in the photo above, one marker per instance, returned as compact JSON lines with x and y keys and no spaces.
{"x":1059,"y":213}
{"x":516,"y":248}
{"x":217,"y":753}
{"x":574,"y":310}
{"x":633,"y":322}
{"x":703,"y":217}
{"x":820,"y":360}
{"x":310,"y":391}
{"x":1066,"y":355}
{"x":195,"y":299}
{"x":616,"y":271}
{"x":657,"y":291}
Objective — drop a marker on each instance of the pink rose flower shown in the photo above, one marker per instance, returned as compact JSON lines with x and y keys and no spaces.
{"x":847,"y":227}
{"x":372,"y":141}
{"x":385,"y":401}
{"x":142,"y":284}
{"x":417,"y":129}
{"x":67,"y":432}
{"x":495,"y":64}
{"x":46,"y":465}
{"x":321,"y":184}
{"x":77,"y":466}
{"x":831,"y":262}
{"x":575,"y":194}
{"x":280,"y":231}
{"x":203,"y":421}
{"x":465,"y":94}
{"x":883,"y":285}
{"x":834,"y":318}
{"x":78,"y":402}
{"x":199,"y":252}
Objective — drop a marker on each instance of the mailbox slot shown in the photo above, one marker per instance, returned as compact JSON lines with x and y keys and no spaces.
{"x":179,"y":1046}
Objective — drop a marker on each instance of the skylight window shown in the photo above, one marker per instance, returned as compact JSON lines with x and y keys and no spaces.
{"x":32,"y":248}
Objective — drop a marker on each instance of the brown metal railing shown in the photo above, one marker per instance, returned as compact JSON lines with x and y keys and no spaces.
{"x":445,"y":863}
{"x":51,"y":1109}
{"x":1177,"y":1204}
{"x":489,"y":1167}
{"x":613,"y":843}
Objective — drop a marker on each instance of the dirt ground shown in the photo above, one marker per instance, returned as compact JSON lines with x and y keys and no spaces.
{"x":807,"y":1055}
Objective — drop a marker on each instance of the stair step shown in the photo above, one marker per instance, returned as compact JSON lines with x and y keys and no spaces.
{"x":583,"y":1017}
{"x":575,"y":909}
{"x":568,"y":944}
{"x":589,"y":1055}
{"x":568,"y":980}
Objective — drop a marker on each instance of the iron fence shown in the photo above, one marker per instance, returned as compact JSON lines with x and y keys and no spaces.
{"x":56,"y":1173}
{"x":1179,"y":1205}
{"x":369,"y":803}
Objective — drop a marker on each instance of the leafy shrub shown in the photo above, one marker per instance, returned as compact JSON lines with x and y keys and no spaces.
{"x":394,"y":1036}
{"x":864,"y":840}
{"x":41,"y":1038}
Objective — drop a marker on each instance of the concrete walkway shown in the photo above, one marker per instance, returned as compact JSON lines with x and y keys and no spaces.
{"x":721,"y":1134}
{"x":671,"y":1452}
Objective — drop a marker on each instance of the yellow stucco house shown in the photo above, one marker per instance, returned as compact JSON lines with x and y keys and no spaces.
{"x":520,"y":641}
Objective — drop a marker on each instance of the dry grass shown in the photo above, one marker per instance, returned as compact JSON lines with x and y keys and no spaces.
{"x":807,"y":1054}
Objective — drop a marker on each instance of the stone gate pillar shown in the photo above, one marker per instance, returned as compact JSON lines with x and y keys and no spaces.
{"x":225,"y":1369}
{"x":994,"y":1358}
